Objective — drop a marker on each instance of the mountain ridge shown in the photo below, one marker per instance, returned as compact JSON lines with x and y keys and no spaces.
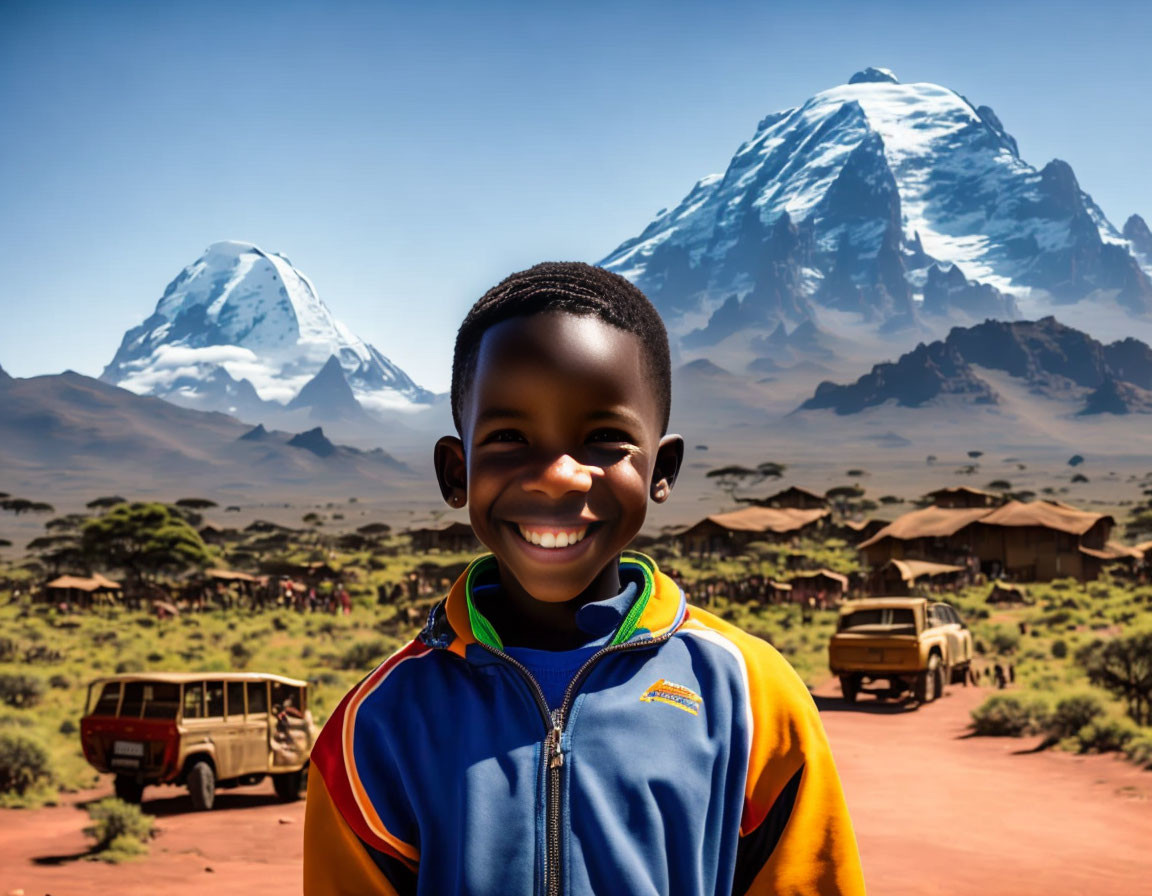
{"x":1056,"y":361}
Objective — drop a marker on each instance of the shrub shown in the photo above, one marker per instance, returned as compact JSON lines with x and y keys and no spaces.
{"x":241,"y":653}
{"x":129,"y":665}
{"x":8,"y":650}
{"x":120,"y":830}
{"x":1139,"y":750}
{"x":61,"y":682}
{"x":1005,"y":640}
{"x":1059,"y":649}
{"x":21,"y":691}
{"x":24,"y":763}
{"x":1005,"y":715}
{"x":1073,"y":713}
{"x":68,"y":727}
{"x":364,"y":655}
{"x":1105,"y":737}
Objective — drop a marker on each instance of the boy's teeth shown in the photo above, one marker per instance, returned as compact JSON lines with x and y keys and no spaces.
{"x":550,"y":539}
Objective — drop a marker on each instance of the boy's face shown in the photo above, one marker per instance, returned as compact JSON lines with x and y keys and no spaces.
{"x":560,"y":451}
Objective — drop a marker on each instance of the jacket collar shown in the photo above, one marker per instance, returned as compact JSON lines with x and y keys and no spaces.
{"x":657,"y":609}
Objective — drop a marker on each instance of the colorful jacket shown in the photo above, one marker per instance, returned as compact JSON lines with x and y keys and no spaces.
{"x":686,"y":758}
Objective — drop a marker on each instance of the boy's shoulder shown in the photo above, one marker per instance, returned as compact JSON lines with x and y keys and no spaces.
{"x":770,"y":677}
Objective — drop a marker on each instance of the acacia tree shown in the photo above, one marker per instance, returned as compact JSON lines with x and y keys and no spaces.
{"x":1123,"y":665}
{"x":144,"y":540}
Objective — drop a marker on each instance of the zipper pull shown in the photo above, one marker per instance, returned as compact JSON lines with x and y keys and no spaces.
{"x":556,"y":756}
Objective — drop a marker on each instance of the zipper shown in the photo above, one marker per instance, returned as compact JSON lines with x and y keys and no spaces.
{"x":554,"y":721}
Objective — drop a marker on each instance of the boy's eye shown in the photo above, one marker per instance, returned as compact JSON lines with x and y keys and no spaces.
{"x":608,"y":434}
{"x":503,"y":435}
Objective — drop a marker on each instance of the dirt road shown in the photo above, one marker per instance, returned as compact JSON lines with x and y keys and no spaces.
{"x":936,"y":814}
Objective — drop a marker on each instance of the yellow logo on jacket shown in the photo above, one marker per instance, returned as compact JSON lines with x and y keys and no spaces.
{"x":674,"y":695}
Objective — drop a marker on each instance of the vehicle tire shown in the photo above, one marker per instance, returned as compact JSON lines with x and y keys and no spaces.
{"x":960,"y":674}
{"x":927,"y":682}
{"x":941,"y":680}
{"x":849,"y":688}
{"x":289,"y":784}
{"x":128,"y":789}
{"x":202,"y":786}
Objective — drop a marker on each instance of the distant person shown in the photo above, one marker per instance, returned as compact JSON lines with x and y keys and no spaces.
{"x":345,"y":600}
{"x":1011,"y":674}
{"x":564,"y":723}
{"x":998,"y":676}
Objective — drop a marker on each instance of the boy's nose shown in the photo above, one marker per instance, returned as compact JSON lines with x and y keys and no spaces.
{"x":564,"y":474}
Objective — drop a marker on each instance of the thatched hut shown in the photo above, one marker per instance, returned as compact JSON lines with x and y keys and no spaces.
{"x":727,"y":534}
{"x":819,"y":587}
{"x":901,"y":578}
{"x":83,"y":591}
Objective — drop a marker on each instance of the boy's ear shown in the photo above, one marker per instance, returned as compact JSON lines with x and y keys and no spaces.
{"x":451,"y":470}
{"x":669,"y":457}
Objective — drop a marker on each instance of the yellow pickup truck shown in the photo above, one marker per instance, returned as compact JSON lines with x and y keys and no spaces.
{"x":909,"y":643}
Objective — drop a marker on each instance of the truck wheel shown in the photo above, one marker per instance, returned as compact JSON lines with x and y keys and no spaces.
{"x":927,"y":682}
{"x":849,"y":688}
{"x":128,"y":789}
{"x":960,"y":674}
{"x":941,"y":679}
{"x":202,"y":786}
{"x":288,"y":785}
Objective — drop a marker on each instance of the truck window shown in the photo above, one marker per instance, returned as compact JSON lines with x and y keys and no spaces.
{"x":890,"y":620}
{"x":214,"y":698}
{"x":161,"y":700}
{"x":194,"y":701}
{"x":235,"y":699}
{"x":108,"y":700}
{"x":286,"y":698}
{"x":133,"y":703}
{"x":257,"y":698}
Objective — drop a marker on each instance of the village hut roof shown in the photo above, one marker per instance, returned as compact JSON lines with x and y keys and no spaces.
{"x":911,"y":570}
{"x":779,"y":586}
{"x":1062,"y":517}
{"x":824,"y":573}
{"x":861,"y":525}
{"x":928,"y":522}
{"x":799,"y":490}
{"x":1113,"y":551}
{"x":228,"y":575}
{"x":961,"y":490}
{"x":765,"y":519}
{"x":1143,"y":547}
{"x":95,"y":582}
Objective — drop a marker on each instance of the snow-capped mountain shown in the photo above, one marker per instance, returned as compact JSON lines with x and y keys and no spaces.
{"x":240,"y":326}
{"x":893,"y":200}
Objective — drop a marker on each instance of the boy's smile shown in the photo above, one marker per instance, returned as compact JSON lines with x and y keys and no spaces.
{"x":560,"y":451}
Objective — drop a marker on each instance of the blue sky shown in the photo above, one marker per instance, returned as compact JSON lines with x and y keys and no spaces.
{"x":407,"y":158}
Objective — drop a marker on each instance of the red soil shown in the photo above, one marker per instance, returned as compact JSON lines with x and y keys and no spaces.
{"x":935,"y":813}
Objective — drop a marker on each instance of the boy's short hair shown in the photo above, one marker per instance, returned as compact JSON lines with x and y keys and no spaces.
{"x":576,"y":288}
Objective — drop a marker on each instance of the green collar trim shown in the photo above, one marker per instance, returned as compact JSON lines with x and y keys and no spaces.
{"x":483,"y":631}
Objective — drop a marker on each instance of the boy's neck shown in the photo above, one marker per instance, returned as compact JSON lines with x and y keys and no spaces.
{"x":524,"y":621}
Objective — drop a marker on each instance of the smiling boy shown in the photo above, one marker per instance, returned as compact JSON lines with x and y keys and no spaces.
{"x":565,"y":722}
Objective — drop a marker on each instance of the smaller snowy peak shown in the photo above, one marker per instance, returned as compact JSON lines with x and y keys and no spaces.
{"x":874,"y":76}
{"x":241,"y":326}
